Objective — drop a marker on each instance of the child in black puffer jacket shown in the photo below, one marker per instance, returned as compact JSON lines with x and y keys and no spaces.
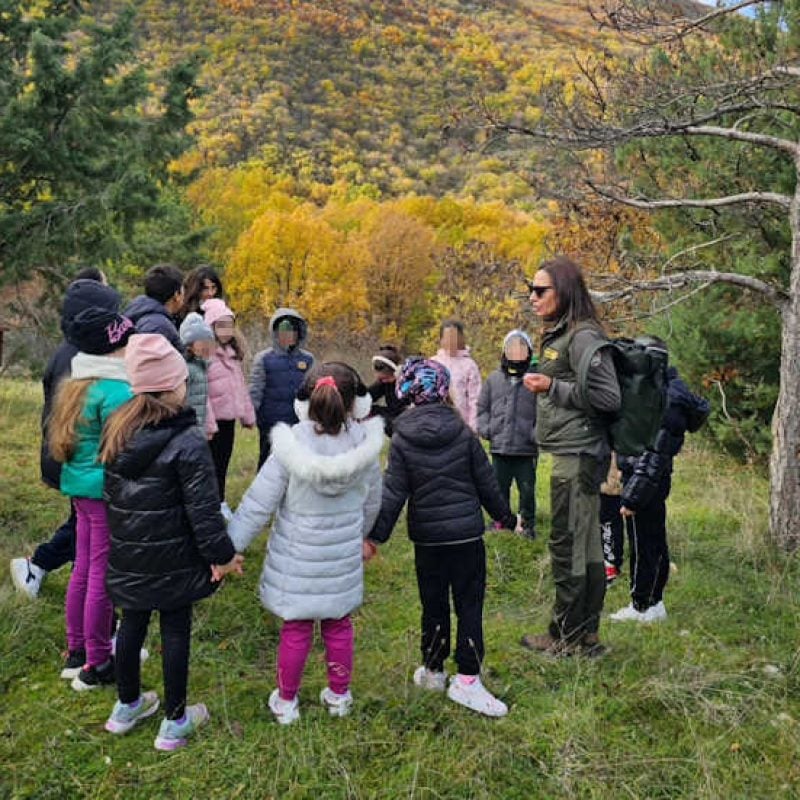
{"x":646,"y":483}
{"x":169,"y":544}
{"x":437,"y":463}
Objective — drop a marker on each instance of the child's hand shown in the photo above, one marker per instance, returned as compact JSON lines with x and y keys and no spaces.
{"x":219,"y":571}
{"x":519,"y":528}
{"x":626,"y":512}
{"x":368,"y":550}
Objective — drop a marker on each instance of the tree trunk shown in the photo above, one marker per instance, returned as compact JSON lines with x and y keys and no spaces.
{"x":784,"y":506}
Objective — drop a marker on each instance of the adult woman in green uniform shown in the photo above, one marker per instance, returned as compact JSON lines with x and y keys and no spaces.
{"x":569,"y":426}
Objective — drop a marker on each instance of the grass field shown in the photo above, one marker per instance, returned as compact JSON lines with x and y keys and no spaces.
{"x":705,"y":705}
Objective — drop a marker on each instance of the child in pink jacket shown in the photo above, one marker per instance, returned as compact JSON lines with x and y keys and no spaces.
{"x":465,"y":377}
{"x":228,"y":397}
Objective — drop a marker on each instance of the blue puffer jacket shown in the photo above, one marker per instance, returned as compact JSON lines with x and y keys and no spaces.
{"x":277,"y":374}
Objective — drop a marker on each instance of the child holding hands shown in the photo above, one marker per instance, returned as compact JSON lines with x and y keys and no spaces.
{"x":322,"y":484}
{"x":437,"y":464}
{"x":167,"y":532}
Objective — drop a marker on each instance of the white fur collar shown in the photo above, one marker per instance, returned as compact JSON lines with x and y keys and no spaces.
{"x":318,"y":468}
{"x":86,"y":366}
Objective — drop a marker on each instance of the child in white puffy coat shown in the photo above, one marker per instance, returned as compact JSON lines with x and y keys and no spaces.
{"x":322,"y":484}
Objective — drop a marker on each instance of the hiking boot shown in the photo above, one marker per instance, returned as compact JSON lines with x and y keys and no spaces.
{"x":125,"y":715}
{"x":428,"y":679}
{"x":338,"y":705}
{"x":628,"y":614}
{"x":546,"y":644}
{"x":285,"y":711}
{"x":173,"y":732}
{"x":656,"y":613}
{"x":73,"y":664}
{"x":468,"y":691}
{"x":592,"y":647}
{"x":27,"y":577}
{"x":94,"y":677}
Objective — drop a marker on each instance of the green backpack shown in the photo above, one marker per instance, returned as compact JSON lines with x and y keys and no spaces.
{"x":642,"y":374}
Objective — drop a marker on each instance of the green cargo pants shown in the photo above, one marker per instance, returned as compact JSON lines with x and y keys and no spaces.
{"x":576,"y":550}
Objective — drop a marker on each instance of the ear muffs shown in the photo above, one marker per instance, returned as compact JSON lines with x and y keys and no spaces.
{"x":301,"y":403}
{"x":362,"y":405}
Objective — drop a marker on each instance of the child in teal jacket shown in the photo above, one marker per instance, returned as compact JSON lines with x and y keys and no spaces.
{"x":98,"y":386}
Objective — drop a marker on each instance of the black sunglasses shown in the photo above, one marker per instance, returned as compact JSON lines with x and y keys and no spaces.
{"x":540,"y":291}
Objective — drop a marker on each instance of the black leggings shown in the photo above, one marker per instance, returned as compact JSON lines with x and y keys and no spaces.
{"x":176,"y":632}
{"x":221,"y":445}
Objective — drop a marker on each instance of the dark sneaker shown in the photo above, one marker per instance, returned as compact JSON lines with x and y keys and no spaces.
{"x":547,"y":645}
{"x":529,"y":532}
{"x":95,"y":677}
{"x":73,"y":664}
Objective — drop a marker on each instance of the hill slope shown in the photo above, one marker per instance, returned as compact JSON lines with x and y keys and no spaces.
{"x":362,"y":90}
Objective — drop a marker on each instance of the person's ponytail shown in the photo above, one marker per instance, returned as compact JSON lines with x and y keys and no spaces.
{"x":326,"y":406}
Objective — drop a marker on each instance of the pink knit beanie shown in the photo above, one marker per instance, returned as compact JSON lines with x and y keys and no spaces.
{"x":153,"y":364}
{"x":215,"y":310}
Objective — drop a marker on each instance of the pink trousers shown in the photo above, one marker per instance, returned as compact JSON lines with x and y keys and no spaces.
{"x":297,"y":637}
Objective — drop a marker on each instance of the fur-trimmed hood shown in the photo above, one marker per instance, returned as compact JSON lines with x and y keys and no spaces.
{"x":332,"y":464}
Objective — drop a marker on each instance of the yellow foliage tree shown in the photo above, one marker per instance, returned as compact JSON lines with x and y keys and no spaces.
{"x":295,"y":258}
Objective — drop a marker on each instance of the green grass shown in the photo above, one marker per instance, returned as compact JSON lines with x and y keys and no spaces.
{"x":703,"y":706}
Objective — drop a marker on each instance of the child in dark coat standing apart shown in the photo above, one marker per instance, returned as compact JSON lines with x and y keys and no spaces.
{"x":507,"y":418}
{"x":167,"y":532}
{"x":437,"y":464}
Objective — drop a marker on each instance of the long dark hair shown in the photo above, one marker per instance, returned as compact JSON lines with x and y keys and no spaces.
{"x":193,"y":288}
{"x":575,"y":304}
{"x":329,"y":405}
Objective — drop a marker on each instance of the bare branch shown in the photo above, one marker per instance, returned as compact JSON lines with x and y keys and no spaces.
{"x":679,"y":280}
{"x":761,"y":139}
{"x":713,"y":202}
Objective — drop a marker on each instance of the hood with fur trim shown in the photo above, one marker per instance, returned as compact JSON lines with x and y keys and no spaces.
{"x":332,"y":464}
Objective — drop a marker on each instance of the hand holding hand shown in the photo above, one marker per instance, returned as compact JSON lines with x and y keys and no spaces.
{"x":219,"y":571}
{"x":518,"y":529}
{"x":626,"y":512}
{"x":537,"y":383}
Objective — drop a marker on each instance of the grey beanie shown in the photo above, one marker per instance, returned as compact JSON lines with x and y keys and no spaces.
{"x":195,"y":329}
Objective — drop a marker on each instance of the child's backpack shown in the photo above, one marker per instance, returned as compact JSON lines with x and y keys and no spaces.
{"x":642,"y":373}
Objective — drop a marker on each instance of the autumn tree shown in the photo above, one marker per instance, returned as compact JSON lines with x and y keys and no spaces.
{"x":699,"y":94}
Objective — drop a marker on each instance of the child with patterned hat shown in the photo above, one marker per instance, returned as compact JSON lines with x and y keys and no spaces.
{"x":438,"y":466}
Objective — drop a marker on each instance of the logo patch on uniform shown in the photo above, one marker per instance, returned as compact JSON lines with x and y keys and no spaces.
{"x":550,"y":354}
{"x":302,"y":365}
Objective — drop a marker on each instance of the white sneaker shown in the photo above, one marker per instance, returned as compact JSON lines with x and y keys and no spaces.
{"x":338,"y":705}
{"x":656,"y":613}
{"x":427,"y":679}
{"x":476,"y":697}
{"x":144,"y":653}
{"x":285,"y":711}
{"x":27,"y":577}
{"x":628,"y":614}
{"x":226,"y":512}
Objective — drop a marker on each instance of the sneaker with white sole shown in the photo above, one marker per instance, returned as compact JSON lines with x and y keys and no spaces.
{"x":628,"y":614}
{"x":125,"y":715}
{"x":428,"y":679}
{"x":73,"y":664}
{"x":338,"y":705}
{"x":468,"y":691}
{"x":656,"y":613}
{"x":27,"y":577}
{"x":95,"y":677}
{"x":173,"y":733}
{"x":285,"y":711}
{"x":226,"y":512}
